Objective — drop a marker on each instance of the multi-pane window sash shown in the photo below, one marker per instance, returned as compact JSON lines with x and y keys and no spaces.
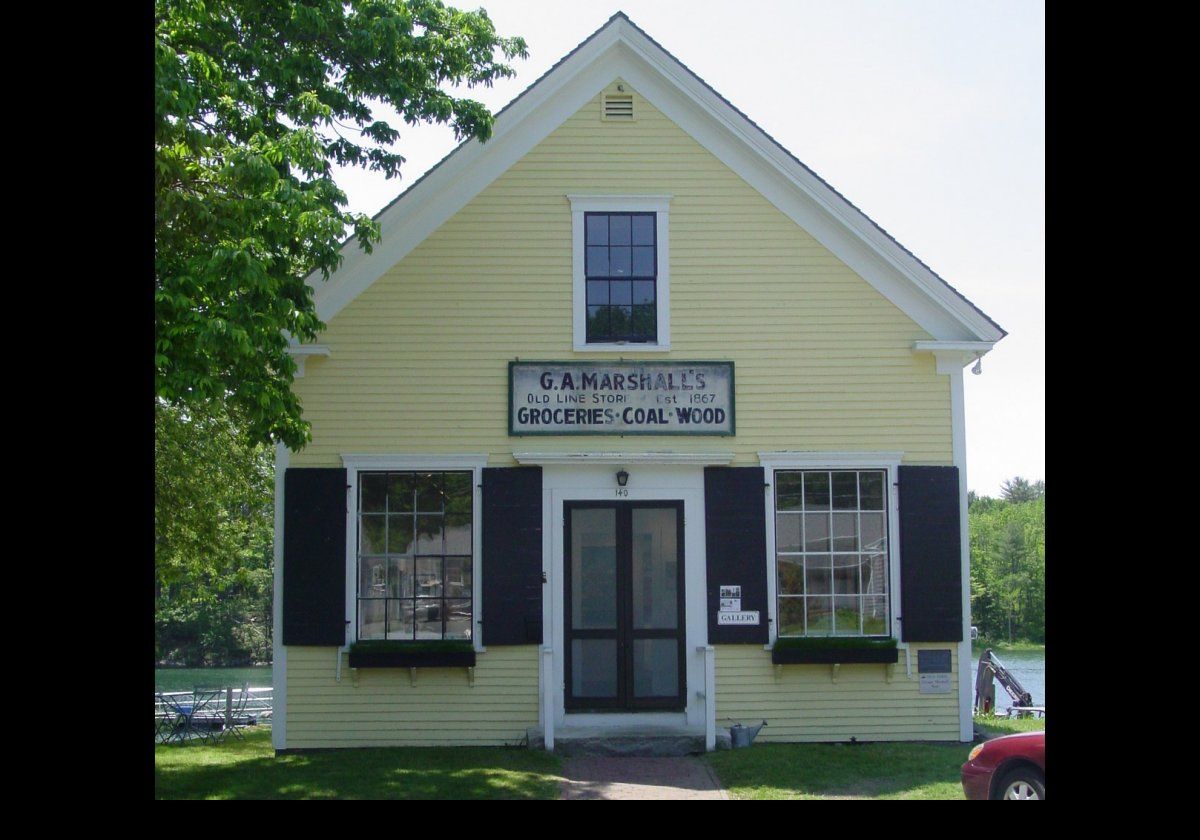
{"x":831,"y":544}
{"x":414,"y":555}
{"x":621,"y":266}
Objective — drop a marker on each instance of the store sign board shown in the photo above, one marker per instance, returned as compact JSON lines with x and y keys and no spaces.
{"x":620,"y":398}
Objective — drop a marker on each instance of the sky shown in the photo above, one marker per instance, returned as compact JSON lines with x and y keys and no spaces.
{"x":928,"y":115}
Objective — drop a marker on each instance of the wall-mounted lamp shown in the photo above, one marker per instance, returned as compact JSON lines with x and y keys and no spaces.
{"x":622,"y":478}
{"x":978,"y":369}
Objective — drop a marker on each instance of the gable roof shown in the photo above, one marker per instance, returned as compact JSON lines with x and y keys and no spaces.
{"x":620,"y":49}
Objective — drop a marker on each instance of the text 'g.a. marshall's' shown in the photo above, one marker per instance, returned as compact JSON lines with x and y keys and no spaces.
{"x":628,"y":398}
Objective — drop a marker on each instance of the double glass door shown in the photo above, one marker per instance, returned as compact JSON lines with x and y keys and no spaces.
{"x":624,"y":606}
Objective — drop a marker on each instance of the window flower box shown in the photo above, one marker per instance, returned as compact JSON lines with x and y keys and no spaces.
{"x":403,"y":654}
{"x":833,"y":651}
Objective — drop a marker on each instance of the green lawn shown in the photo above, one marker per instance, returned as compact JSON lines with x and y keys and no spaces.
{"x":995,"y":726}
{"x":852,"y":771}
{"x":250,"y":770}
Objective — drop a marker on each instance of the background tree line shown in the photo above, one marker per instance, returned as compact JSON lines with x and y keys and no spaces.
{"x":214,"y":515}
{"x":1008,"y":562}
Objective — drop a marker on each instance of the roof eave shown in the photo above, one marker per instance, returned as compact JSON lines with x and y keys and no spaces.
{"x":463,"y":173}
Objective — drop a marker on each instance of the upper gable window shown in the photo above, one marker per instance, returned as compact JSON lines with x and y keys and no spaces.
{"x":621,"y":267}
{"x":621,"y":273}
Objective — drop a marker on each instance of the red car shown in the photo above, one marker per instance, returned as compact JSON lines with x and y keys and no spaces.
{"x":1010,"y":767}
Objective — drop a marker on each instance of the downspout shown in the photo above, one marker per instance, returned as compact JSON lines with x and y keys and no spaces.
{"x":345,"y":648}
{"x":710,"y":696}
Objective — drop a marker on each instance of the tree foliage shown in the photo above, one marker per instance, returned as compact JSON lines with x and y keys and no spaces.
{"x":1008,"y":563}
{"x":255,"y":100}
{"x":213,"y":535}
{"x":1019,"y":490}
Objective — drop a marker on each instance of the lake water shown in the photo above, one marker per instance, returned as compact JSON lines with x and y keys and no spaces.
{"x":1029,"y":667}
{"x":185,"y":679}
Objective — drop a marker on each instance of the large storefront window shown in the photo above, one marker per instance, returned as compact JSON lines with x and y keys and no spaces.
{"x":414,"y":555}
{"x":831,"y":543}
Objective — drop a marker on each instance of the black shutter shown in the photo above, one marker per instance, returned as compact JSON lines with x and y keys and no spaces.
{"x":314,"y":557}
{"x":512,"y":556}
{"x":735,"y":524}
{"x":930,"y":555}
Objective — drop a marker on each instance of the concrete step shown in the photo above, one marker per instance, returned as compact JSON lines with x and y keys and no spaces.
{"x":646,"y":742}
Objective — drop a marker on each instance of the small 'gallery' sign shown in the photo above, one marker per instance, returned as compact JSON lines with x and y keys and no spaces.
{"x":744,"y":617}
{"x":620,"y":398}
{"x":731,"y":611}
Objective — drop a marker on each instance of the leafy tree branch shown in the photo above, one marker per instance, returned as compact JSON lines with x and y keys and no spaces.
{"x":249,"y":97}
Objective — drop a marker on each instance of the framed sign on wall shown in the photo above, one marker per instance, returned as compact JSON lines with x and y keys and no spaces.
{"x":620,"y":398}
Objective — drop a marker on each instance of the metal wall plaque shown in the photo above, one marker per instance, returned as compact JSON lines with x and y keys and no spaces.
{"x":933,"y":662}
{"x":620,"y":398}
{"x":933,"y":668}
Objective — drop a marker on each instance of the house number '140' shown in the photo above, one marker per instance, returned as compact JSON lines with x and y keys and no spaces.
{"x":622,"y":491}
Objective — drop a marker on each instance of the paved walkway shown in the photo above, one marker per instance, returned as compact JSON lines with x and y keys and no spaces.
{"x":607,"y":777}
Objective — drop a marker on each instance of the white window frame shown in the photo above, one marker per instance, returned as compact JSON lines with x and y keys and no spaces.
{"x":889,"y":462}
{"x":660,"y":206}
{"x":356,"y":464}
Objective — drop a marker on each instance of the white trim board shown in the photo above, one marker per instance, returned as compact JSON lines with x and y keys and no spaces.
{"x":620,"y":49}
{"x":952,"y":356}
{"x":301,"y":352}
{"x":965,"y":665}
{"x":680,"y":482}
{"x":695,"y":458}
{"x":278,"y":650}
{"x":414,"y":462}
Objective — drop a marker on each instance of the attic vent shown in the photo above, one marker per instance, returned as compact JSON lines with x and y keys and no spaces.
{"x":618,"y":106}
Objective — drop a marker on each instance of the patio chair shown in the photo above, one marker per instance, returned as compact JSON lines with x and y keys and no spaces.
{"x":208,"y":713}
{"x":237,"y":719}
{"x":164,"y":719}
{"x":177,"y":726}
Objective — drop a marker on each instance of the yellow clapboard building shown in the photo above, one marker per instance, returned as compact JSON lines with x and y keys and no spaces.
{"x":631,"y":424}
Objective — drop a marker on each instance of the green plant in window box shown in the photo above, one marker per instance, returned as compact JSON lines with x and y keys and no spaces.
{"x":829,"y":650}
{"x":398,"y":653}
